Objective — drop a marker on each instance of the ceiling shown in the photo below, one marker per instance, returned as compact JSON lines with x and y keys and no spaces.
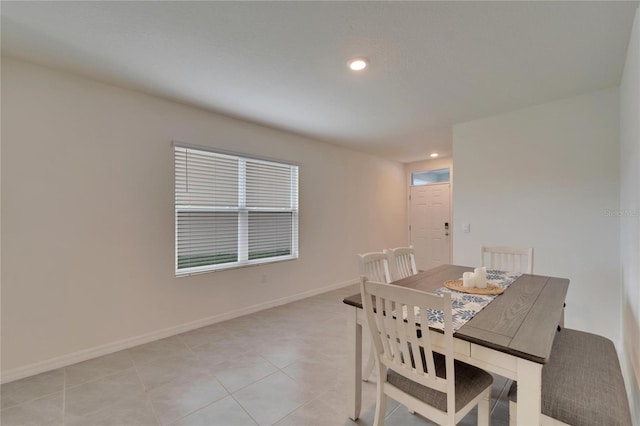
{"x":283,"y":64}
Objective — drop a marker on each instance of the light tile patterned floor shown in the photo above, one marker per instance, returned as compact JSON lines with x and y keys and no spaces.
{"x":281,"y":366}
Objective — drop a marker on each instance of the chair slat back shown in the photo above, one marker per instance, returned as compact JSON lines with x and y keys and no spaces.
{"x":402,"y":261}
{"x":374,"y":266}
{"x":402,"y":340}
{"x":512,"y":259}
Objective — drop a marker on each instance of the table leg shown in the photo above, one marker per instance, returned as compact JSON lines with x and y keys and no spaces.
{"x":529,"y":376}
{"x":354,"y":360}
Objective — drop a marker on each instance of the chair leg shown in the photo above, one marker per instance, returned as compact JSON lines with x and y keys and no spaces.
{"x":484,"y":409}
{"x":381,"y":406}
{"x":513,"y":414}
{"x":368,"y":367}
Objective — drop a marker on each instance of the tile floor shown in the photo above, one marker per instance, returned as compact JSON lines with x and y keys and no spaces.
{"x":281,"y":366}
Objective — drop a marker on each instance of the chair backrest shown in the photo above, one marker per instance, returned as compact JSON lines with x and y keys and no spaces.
{"x":510,"y":259}
{"x":402,"y":262}
{"x":374,"y":266}
{"x":394,"y":317}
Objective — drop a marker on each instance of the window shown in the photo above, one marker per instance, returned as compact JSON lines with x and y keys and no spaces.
{"x":433,"y":176}
{"x":233,"y":211}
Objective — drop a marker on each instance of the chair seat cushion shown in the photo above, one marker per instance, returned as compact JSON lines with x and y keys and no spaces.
{"x":582,"y":383}
{"x":469,"y":380}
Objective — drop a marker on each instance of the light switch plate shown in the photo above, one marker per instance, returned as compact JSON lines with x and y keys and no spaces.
{"x":466,"y":228}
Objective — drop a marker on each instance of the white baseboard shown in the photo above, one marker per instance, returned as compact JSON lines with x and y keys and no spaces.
{"x":85,"y":354}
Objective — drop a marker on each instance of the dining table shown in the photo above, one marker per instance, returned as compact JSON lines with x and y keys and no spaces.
{"x":511,"y":336}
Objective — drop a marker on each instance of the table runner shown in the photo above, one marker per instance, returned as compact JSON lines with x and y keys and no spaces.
{"x":465,"y":305}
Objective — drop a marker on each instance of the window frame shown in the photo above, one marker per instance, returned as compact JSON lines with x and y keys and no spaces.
{"x":243,"y":211}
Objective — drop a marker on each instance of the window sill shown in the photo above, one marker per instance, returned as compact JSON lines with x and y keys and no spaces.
{"x":248,"y":264}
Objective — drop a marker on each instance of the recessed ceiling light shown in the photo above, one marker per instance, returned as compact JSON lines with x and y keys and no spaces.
{"x":358,"y":64}
{"x":434,"y":154}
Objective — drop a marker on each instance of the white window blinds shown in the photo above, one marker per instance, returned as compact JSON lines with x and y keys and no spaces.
{"x":233,"y":211}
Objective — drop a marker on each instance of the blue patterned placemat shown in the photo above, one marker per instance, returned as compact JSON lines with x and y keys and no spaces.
{"x":464,"y":305}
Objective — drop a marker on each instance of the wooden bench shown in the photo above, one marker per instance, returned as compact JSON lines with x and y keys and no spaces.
{"x":582,"y":383}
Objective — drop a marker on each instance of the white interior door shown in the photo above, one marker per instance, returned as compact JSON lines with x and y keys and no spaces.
{"x":430,"y":224}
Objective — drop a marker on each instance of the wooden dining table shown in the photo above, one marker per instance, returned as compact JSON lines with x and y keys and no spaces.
{"x":512,"y":336}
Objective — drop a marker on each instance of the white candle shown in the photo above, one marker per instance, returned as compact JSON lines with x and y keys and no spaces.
{"x":481,"y":277}
{"x":468,"y":279}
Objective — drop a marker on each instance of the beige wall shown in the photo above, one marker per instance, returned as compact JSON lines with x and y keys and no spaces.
{"x":546,"y":177}
{"x":630,"y":217}
{"x":88,"y":221}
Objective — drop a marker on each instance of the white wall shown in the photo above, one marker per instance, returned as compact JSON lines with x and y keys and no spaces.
{"x":88,"y":221}
{"x":545,"y":177}
{"x":630,"y":217}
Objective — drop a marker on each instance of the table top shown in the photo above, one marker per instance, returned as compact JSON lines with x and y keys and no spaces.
{"x":522,"y":321}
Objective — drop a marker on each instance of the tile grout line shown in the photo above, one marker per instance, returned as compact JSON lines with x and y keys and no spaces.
{"x":29,"y":401}
{"x":207,"y":405}
{"x":243,"y":409}
{"x":145,"y":390}
{"x":97,"y":379}
{"x":394,"y":410}
{"x":248,"y":384}
{"x":229,"y":393}
{"x":502,"y":392}
{"x":200,"y":408}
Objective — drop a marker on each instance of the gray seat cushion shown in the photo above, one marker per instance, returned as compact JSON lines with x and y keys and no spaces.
{"x":470,"y":381}
{"x":582,"y":383}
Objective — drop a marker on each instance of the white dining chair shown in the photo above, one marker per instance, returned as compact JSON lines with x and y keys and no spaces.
{"x":414,"y":370}
{"x":512,"y":259}
{"x":402,"y":262}
{"x":374,"y":266}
